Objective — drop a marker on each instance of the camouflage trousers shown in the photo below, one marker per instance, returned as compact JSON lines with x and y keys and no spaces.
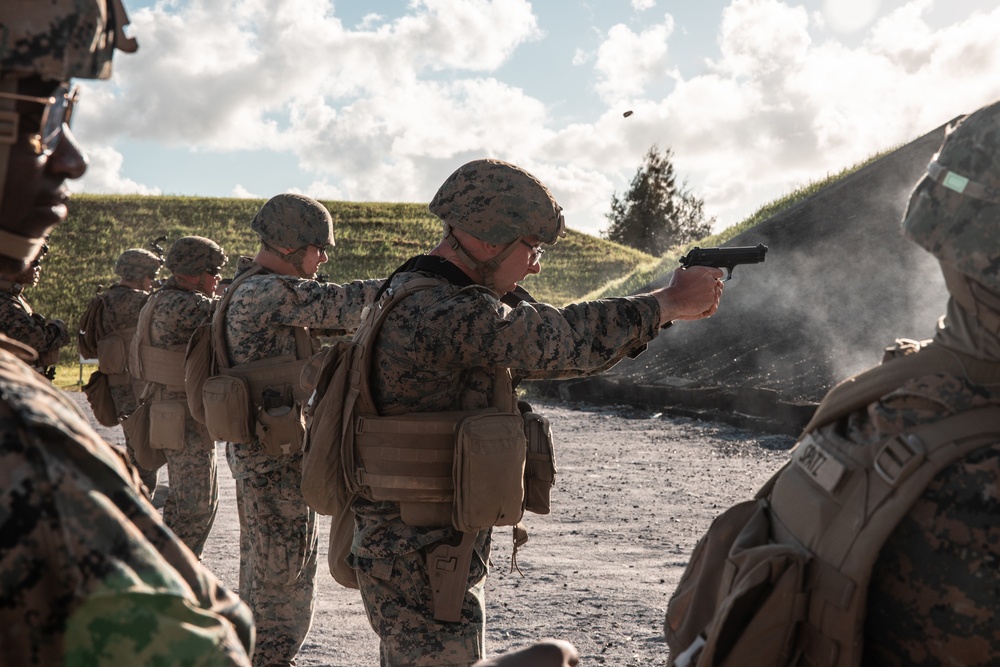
{"x":124,"y":397}
{"x":397,"y":597}
{"x":278,"y":548}
{"x":194,"y":487}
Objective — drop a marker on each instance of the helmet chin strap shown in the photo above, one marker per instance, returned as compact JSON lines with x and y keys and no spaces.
{"x":484,"y":269}
{"x":19,"y":247}
{"x":295,"y":258}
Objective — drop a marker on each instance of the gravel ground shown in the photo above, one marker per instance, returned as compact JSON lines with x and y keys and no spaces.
{"x":634,"y":492}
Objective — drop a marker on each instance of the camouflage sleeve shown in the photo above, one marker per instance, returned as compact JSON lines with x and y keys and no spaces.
{"x":176,"y":317}
{"x":22,"y":327}
{"x":321,"y":306}
{"x":535,"y":340}
{"x":91,"y":574}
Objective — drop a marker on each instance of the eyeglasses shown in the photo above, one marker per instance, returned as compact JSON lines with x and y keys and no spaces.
{"x":58,"y":110}
{"x":536,"y":252}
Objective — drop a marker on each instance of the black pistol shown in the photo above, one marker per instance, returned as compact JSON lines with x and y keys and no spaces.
{"x":725,"y":258}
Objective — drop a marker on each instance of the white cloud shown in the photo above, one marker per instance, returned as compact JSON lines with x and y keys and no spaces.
{"x":848,"y":16}
{"x":241,"y":192}
{"x":104,"y":174}
{"x":628,"y":61}
{"x":643,"y":5}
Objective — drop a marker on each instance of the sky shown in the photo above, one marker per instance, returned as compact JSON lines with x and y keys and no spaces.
{"x":382,"y":100}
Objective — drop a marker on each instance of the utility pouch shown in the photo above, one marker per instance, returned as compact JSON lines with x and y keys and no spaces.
{"x":488,"y":471}
{"x":136,"y":428}
{"x":112,"y":355}
{"x":227,"y":408}
{"x":281,"y":426}
{"x":166,"y":424}
{"x":98,"y":391}
{"x":540,"y":463}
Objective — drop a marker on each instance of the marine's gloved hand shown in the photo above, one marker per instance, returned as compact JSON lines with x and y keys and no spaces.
{"x":545,"y":653}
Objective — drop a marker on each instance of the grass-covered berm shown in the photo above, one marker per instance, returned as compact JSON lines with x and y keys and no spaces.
{"x":372,"y":240}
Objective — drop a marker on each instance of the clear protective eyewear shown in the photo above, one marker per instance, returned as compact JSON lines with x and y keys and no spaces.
{"x":536,"y":252}
{"x":58,"y":110}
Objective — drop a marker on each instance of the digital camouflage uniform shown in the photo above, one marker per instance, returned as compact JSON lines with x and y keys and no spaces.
{"x":933,"y":592}
{"x":436,"y":351}
{"x":90,"y":574}
{"x":19,"y":322}
{"x":121,"y":311}
{"x":278,"y":545}
{"x":193,"y":471}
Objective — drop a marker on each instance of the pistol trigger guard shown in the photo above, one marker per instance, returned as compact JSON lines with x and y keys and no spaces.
{"x":729,"y":273}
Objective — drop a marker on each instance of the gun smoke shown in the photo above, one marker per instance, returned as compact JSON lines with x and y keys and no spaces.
{"x":840,"y":284}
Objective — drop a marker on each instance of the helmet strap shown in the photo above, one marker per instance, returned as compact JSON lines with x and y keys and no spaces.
{"x":193,"y":285}
{"x":295,"y":258}
{"x":484,"y":269}
{"x":16,"y":246}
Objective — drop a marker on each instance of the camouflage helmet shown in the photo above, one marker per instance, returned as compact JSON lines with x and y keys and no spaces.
{"x":62,"y":39}
{"x":498,"y":203}
{"x":136,"y":263}
{"x":193,"y":255}
{"x":293,"y":221}
{"x":954,"y":211}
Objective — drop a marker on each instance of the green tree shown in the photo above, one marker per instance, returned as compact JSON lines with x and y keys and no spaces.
{"x":656,"y":213}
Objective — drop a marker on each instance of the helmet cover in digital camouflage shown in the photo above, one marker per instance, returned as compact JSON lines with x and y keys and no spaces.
{"x":498,"y":202}
{"x":193,"y":255}
{"x":293,"y":221}
{"x":137,"y":263}
{"x":954,"y":211}
{"x":61,"y":39}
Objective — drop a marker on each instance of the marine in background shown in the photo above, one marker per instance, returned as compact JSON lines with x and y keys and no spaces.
{"x":91,"y":576}
{"x":165,"y":325}
{"x":19,"y":321}
{"x":106,"y":330}
{"x":463,"y":344}
{"x":275,"y":310}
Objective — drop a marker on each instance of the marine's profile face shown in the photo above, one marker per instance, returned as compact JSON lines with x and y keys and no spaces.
{"x":524,"y":260}
{"x":35,"y":193}
{"x":313,"y":257}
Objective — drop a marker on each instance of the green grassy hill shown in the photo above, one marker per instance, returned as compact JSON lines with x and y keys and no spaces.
{"x":372,"y":240}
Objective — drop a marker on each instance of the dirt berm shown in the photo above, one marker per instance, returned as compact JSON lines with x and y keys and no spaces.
{"x":839,"y":284}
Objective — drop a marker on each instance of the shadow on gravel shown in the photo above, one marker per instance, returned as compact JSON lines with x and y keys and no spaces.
{"x":840,"y":283}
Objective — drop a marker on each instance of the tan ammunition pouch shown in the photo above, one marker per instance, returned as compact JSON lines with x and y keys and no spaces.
{"x":136,"y":428}
{"x":262,"y":399}
{"x":166,"y":424}
{"x":154,"y":364}
{"x":98,"y":394}
{"x":464,"y":469}
{"x":419,"y":460}
{"x":113,"y":351}
{"x":540,"y":463}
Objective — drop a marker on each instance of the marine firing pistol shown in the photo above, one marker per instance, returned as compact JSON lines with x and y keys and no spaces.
{"x":725,"y":258}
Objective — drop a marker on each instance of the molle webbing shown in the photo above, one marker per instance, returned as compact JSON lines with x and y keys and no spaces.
{"x":408,"y":458}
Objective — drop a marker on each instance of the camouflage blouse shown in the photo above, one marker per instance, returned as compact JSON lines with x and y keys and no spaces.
{"x":91,"y":576}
